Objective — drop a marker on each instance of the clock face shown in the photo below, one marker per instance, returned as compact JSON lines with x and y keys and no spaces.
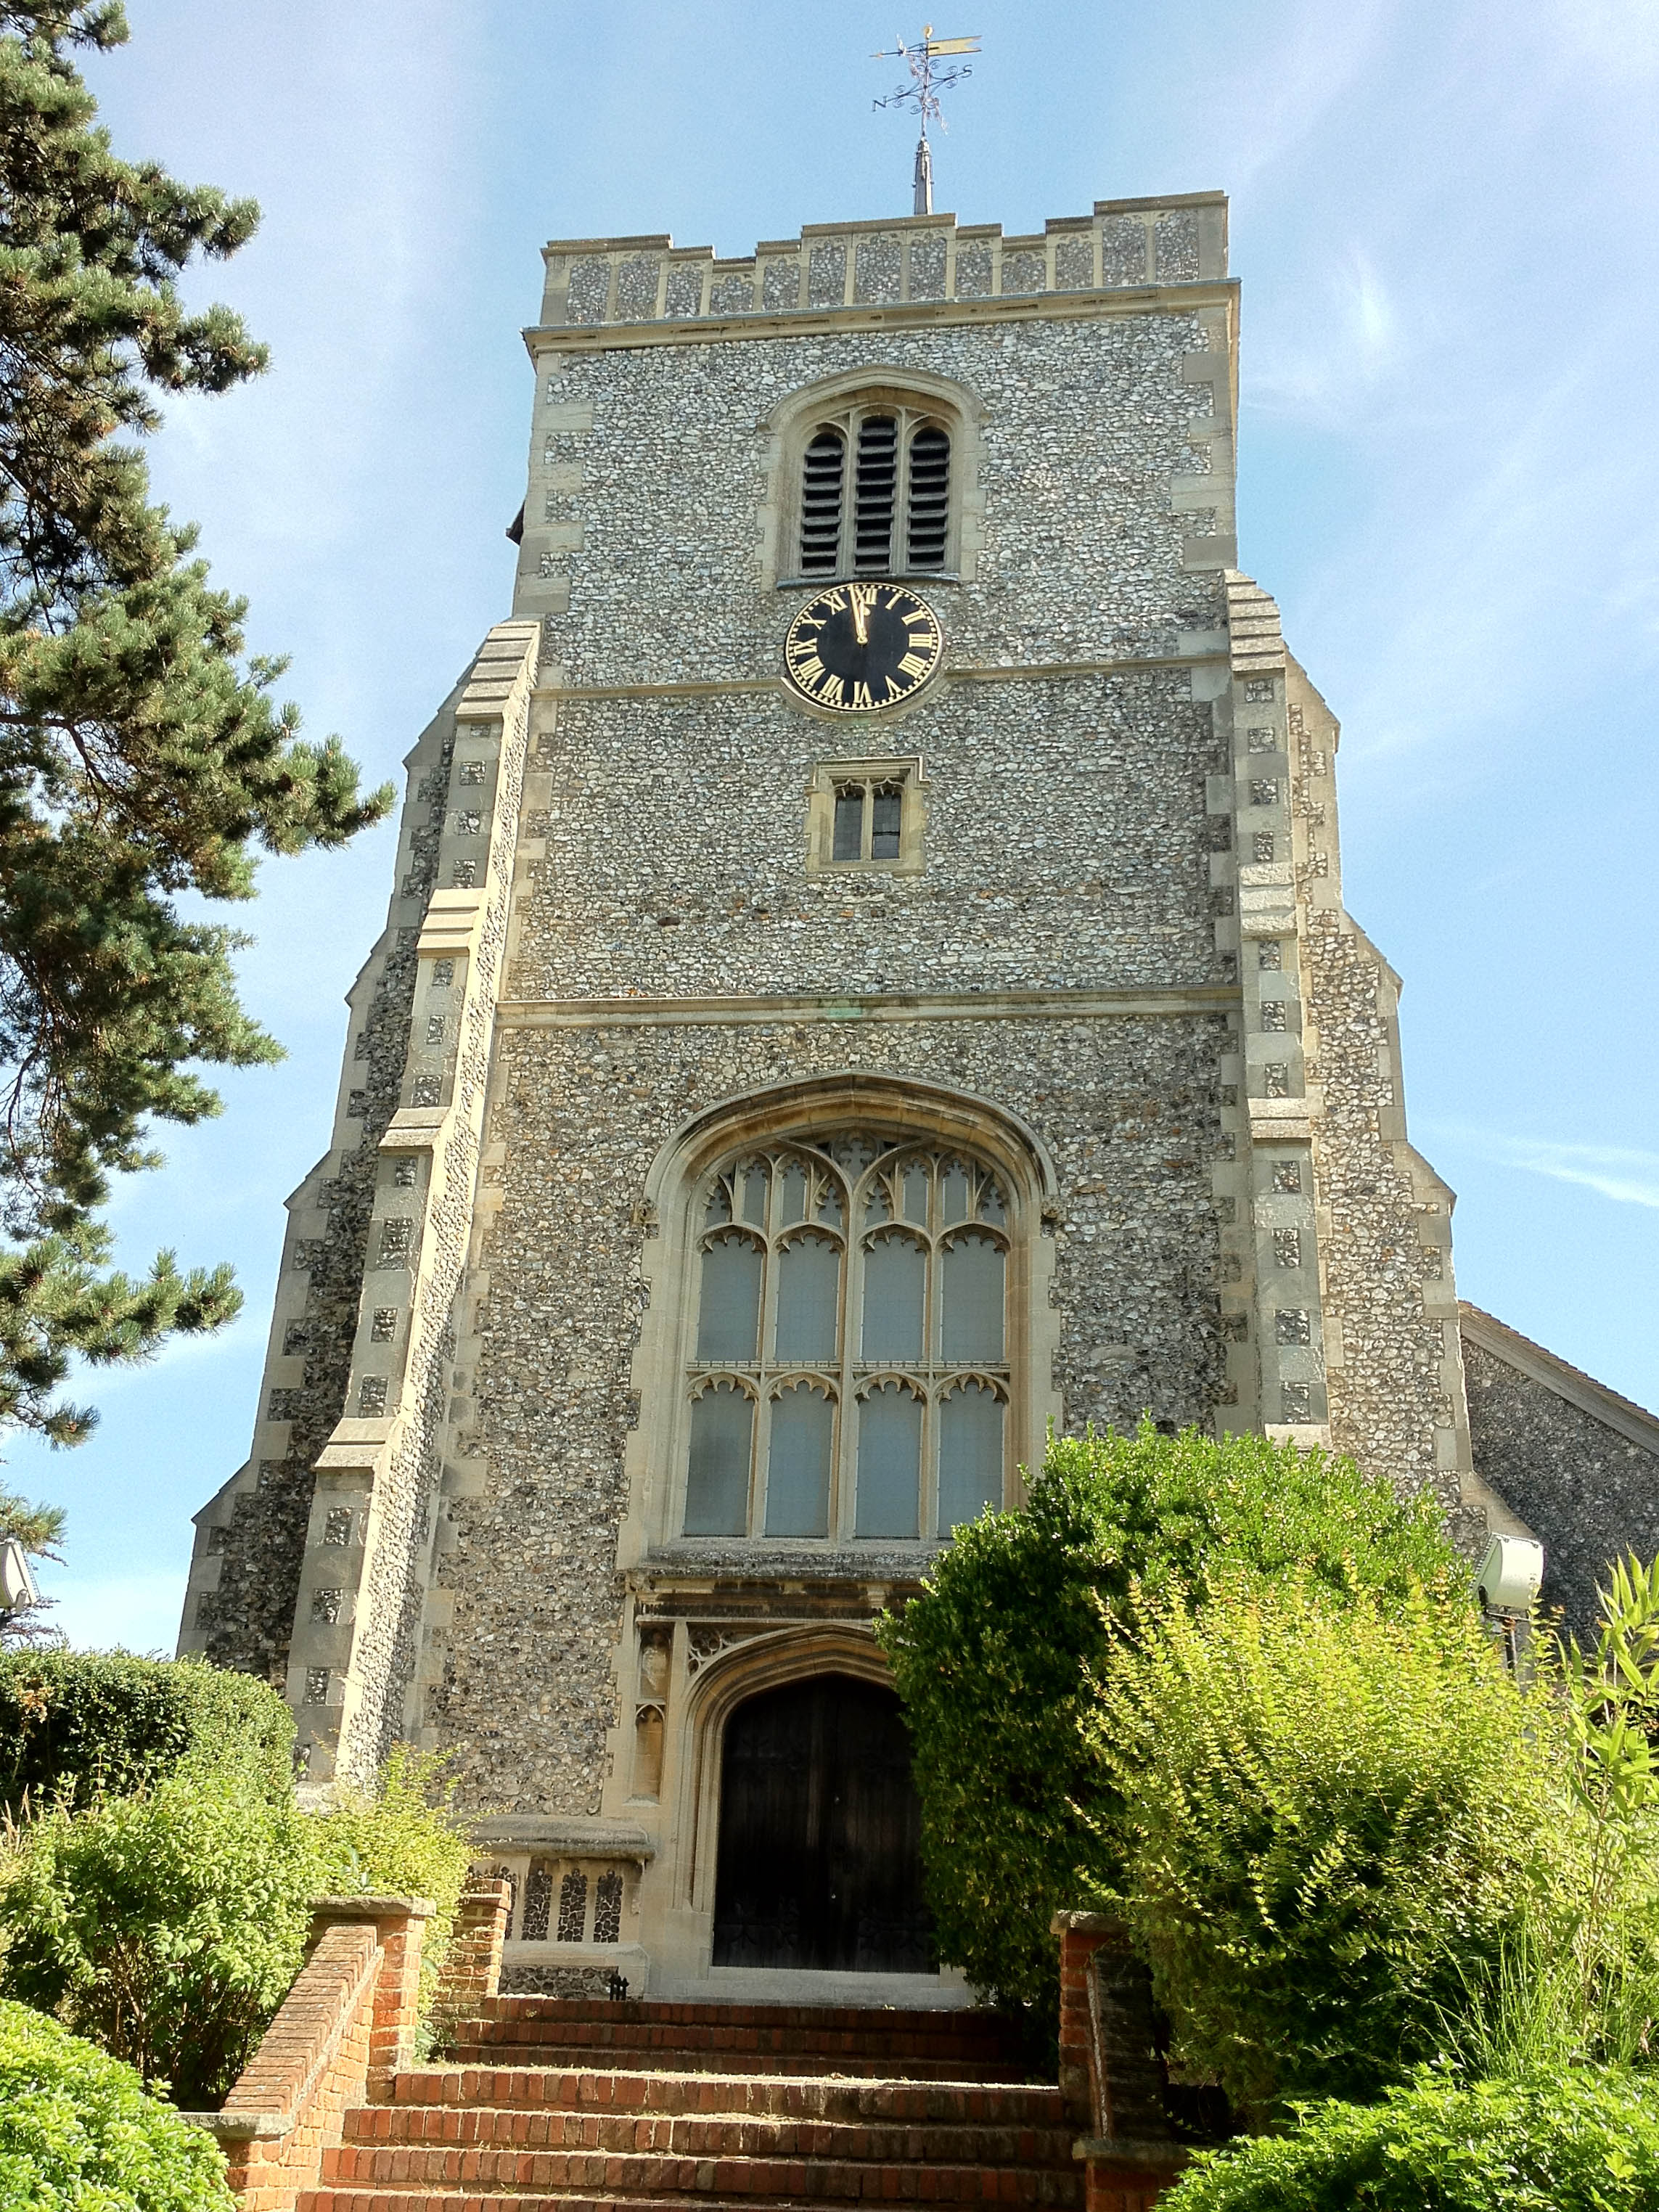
{"x":858,"y":647}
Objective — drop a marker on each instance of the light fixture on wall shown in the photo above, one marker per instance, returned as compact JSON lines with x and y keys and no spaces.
{"x":18,"y":1588}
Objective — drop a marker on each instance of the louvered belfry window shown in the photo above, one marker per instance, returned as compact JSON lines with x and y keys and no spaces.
{"x":875,"y":495}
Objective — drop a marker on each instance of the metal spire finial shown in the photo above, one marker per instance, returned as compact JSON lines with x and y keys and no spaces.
{"x":922,"y":93}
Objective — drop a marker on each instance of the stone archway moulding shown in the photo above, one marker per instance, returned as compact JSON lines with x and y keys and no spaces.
{"x":916,"y":1107}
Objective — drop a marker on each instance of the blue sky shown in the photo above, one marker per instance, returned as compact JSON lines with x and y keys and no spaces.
{"x":1442,"y":218}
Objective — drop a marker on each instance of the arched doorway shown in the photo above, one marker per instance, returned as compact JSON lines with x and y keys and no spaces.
{"x":819,"y":1833}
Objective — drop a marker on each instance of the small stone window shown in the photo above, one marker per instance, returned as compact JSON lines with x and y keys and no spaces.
{"x":866,"y":814}
{"x":875,"y":494}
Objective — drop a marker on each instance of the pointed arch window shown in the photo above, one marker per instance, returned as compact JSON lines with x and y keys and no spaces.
{"x":849,"y":1377}
{"x":875,"y":494}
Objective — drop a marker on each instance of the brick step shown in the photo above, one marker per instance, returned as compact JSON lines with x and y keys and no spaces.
{"x":381,"y":2200}
{"x":724,"y":2059}
{"x":617,"y":2030}
{"x":908,"y":2020}
{"x":624,"y":2177}
{"x":494,"y":2148}
{"x":511,"y":2090}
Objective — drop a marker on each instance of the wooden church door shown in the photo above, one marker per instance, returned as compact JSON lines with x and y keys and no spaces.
{"x":819,"y":1833}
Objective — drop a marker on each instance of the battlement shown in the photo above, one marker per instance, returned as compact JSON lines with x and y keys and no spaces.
{"x":900,"y":261}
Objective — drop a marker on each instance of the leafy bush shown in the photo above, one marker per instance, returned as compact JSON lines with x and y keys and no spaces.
{"x":167,"y":1927}
{"x":78,"y":1722}
{"x":394,"y":1841}
{"x":1339,"y":1816}
{"x":80,"y":2133}
{"x":995,"y":1660}
{"x":1585,"y":2141}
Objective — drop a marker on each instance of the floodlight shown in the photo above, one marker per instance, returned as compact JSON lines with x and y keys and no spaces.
{"x":1510,"y":1574}
{"x":18,"y":1588}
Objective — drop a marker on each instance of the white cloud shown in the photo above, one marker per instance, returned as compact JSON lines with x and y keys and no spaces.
{"x":1627,"y":1176}
{"x":1363,"y":350}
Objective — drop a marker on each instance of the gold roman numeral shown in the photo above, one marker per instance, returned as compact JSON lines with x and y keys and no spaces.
{"x":913,"y":666}
{"x":861,"y":695}
{"x":806,"y":672}
{"x":832,"y":691}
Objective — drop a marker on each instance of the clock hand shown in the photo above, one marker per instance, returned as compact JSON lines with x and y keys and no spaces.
{"x":863,"y":599}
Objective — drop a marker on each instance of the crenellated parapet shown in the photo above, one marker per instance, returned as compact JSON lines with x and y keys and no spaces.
{"x":919,"y":262}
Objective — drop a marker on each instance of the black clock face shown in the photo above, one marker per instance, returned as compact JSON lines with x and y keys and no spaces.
{"x":858,"y":647}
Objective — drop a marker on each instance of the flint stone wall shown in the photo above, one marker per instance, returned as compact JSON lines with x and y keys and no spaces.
{"x":1129,"y":1108}
{"x":1066,"y":846}
{"x":657,"y":507}
{"x":1589,"y":1492}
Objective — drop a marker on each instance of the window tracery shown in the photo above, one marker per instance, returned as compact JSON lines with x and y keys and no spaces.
{"x":849,"y":1375}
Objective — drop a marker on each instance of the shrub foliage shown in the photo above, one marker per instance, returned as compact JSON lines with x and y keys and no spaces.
{"x":1334,"y":1818}
{"x":1585,"y":2141}
{"x":74,"y":1723}
{"x":80,"y":2133}
{"x":168,"y":1926}
{"x":997,"y":1659}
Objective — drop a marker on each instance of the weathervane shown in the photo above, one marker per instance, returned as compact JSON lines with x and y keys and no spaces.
{"x":922,"y":92}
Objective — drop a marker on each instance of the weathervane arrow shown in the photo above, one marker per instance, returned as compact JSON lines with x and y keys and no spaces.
{"x":927,"y":82}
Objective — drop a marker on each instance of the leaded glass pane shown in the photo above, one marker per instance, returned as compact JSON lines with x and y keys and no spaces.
{"x":894,"y":1281}
{"x":954,"y":1194}
{"x":915,"y":1182}
{"x":970,"y":1455}
{"x":798,"y":1464}
{"x":887,"y":807}
{"x":728,"y":1318}
{"x":889,"y":1462}
{"x":971,"y":1330}
{"x":809,"y":1300}
{"x":849,"y":821}
{"x":755,"y":1182}
{"x":792,"y":1194}
{"x":717,"y":1480}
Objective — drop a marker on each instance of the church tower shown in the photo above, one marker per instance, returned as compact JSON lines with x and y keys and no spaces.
{"x":866,"y":977}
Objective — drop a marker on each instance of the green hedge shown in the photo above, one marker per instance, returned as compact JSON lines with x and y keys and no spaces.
{"x":80,"y":2133}
{"x":1581,"y":2140}
{"x":79,"y":1722}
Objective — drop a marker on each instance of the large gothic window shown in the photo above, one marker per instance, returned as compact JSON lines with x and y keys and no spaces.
{"x":849,"y":1372}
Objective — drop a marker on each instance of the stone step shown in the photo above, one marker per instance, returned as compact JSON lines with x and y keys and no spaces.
{"x":491,"y":2148}
{"x":585,"y":2089}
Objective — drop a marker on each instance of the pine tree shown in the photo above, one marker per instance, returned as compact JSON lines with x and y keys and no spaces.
{"x":142,"y":753}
